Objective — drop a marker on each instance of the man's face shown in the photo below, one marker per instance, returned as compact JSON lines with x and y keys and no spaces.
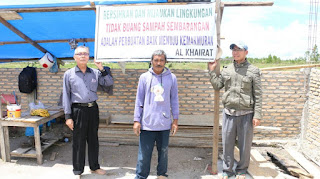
{"x":81,"y":56}
{"x":239,"y":55}
{"x":158,"y":63}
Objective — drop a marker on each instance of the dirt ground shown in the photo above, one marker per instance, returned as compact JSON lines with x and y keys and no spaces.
{"x":119,"y":161}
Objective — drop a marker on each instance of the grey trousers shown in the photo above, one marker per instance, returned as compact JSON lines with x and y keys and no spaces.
{"x":233,"y":127}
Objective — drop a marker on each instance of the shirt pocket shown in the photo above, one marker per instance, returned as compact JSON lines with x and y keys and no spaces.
{"x":227,"y":81}
{"x":246,"y":82}
{"x":93,"y":85}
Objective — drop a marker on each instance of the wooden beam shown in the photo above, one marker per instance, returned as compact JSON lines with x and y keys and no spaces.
{"x":30,"y":59}
{"x":93,"y":5}
{"x":10,"y":15}
{"x":26,"y":38}
{"x":290,"y":67}
{"x":90,"y":7}
{"x":306,"y":164}
{"x":52,"y":9}
{"x":81,"y":8}
{"x":259,"y":167}
{"x":232,"y":4}
{"x":49,"y":41}
{"x":215,"y":150}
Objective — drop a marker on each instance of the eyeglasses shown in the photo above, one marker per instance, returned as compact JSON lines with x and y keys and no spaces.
{"x":237,"y":50}
{"x":80,"y":54}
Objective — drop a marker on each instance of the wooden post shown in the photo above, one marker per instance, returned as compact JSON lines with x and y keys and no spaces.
{"x":4,"y":143}
{"x":37,"y":144}
{"x":215,"y":147}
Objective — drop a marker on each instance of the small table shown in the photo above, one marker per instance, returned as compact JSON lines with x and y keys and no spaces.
{"x":25,"y":121}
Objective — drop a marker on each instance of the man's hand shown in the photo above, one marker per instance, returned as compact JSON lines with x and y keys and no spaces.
{"x":69,"y":123}
{"x":98,"y":65}
{"x":136,"y":128}
{"x":212,"y":65}
{"x":174,"y":127}
{"x":255,"y":122}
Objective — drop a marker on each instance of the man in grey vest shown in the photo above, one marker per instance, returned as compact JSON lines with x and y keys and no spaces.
{"x":242,"y":101}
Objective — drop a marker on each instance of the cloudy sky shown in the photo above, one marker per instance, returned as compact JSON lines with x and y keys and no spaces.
{"x":281,"y":29}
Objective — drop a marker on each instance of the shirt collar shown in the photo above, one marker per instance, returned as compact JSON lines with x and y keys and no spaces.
{"x":87,"y":70}
{"x":241,"y":64}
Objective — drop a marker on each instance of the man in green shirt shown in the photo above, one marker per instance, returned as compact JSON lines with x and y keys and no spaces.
{"x":242,"y":102}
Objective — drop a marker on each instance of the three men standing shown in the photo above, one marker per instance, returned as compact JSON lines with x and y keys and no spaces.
{"x":157,"y":99}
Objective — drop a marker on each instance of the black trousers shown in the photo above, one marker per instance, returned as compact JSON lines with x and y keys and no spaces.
{"x":86,"y":123}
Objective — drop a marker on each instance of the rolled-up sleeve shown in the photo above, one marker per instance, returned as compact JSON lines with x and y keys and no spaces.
{"x":66,"y":97}
{"x":106,"y":80}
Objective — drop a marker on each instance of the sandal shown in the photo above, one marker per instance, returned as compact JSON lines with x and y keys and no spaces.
{"x":241,"y":175}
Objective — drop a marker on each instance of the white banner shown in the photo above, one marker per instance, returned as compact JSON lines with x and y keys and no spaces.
{"x":133,"y":33}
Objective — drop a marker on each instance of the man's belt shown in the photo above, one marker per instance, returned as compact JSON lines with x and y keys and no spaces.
{"x":89,"y":105}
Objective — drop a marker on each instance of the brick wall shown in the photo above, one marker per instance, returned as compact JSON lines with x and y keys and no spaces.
{"x":311,"y":139}
{"x":283,"y":96}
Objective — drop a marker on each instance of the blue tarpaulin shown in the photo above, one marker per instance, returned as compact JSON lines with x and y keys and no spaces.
{"x":53,"y":25}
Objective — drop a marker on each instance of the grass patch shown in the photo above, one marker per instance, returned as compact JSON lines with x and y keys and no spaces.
{"x":145,"y":65}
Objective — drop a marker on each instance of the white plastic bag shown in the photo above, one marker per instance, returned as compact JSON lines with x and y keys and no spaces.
{"x":34,"y":106}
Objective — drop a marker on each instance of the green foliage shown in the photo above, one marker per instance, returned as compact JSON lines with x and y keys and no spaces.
{"x":314,"y":55}
{"x":270,"y":61}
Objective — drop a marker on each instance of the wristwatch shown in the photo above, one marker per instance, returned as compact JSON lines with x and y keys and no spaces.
{"x":103,"y":70}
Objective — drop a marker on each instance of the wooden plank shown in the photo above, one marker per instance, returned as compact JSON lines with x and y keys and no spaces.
{"x":109,"y":144}
{"x":290,"y":67}
{"x":49,"y":143}
{"x":48,"y":41}
{"x":187,"y":120}
{"x":35,"y":119}
{"x":259,"y":167}
{"x":53,"y":156}
{"x":268,"y":128}
{"x":292,"y":167}
{"x":10,"y":15}
{"x":79,"y":8}
{"x":306,"y":164}
{"x":173,"y":142}
{"x":215,"y":153}
{"x":93,"y":5}
{"x":20,"y":151}
{"x":4,"y":143}
{"x":22,"y":35}
{"x":37,"y":144}
{"x":129,"y":126}
{"x":32,"y":153}
{"x":53,"y":9}
{"x":232,"y":4}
